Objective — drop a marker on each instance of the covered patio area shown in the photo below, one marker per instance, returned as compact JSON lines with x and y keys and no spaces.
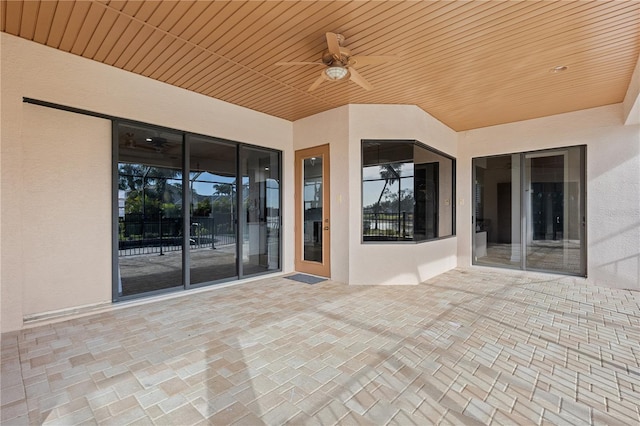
{"x":471,"y":346}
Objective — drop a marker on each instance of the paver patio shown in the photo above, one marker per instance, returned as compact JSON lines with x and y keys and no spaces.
{"x":471,"y":346}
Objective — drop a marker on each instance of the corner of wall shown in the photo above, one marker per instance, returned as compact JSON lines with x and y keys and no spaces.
{"x":332,"y":127}
{"x":11,"y":276}
{"x":631,"y":102}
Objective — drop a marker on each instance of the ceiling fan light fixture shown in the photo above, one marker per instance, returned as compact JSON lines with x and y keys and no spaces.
{"x":336,"y":72}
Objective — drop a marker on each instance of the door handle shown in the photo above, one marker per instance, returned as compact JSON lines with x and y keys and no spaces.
{"x":326,"y":228}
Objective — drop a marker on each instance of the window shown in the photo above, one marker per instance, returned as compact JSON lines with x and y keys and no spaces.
{"x":407,"y":192}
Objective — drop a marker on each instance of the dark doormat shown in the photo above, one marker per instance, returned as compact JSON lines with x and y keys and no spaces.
{"x":307,"y":279}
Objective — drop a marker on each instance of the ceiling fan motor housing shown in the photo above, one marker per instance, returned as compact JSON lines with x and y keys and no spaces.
{"x":345,"y":54}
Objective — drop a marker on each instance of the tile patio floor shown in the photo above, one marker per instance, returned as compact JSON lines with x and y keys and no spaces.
{"x":472,"y":346}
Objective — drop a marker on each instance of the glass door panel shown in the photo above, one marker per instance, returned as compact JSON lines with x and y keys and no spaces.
{"x":212,"y":182}
{"x":554,"y":208}
{"x":260,"y":211}
{"x":312,"y":211}
{"x":150,"y":217}
{"x":497,"y":240}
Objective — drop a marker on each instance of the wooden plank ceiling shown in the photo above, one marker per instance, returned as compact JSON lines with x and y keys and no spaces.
{"x":469,"y":64}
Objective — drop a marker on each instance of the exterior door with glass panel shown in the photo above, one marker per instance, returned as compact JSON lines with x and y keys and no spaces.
{"x":554,"y":208}
{"x":312,"y":211}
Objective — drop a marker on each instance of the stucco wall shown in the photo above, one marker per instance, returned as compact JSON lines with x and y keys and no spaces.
{"x":631,"y":102}
{"x":389,"y":263}
{"x":35,"y":71}
{"x":332,"y":127}
{"x":613,"y":183}
{"x":65,"y":210}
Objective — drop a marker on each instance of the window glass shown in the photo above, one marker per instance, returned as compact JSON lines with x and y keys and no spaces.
{"x":260,"y":170}
{"x":149,"y":210}
{"x":212,"y":182}
{"x":407,"y":192}
{"x":312,"y":208}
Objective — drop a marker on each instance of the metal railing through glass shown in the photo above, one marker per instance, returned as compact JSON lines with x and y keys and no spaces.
{"x":387,"y":226}
{"x":140,"y":235}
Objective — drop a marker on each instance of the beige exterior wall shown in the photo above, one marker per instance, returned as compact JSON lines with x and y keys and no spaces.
{"x":631,"y":102}
{"x":394,"y":263}
{"x":65,"y":210}
{"x":613,"y":183}
{"x":46,"y":267}
{"x":332,"y":127}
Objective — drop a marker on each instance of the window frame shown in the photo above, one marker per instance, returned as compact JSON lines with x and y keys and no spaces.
{"x":415,"y":143}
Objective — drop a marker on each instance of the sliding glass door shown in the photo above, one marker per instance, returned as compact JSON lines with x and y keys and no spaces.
{"x":229,"y":229}
{"x":497,"y":237}
{"x":554,"y":203}
{"x":260,"y":211}
{"x":213,"y":225}
{"x":530,"y":211}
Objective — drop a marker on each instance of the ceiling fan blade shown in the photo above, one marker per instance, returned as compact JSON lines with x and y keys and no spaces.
{"x":317,"y":83}
{"x":333,"y":45}
{"x":299,"y":63}
{"x":359,"y":80}
{"x":360,"y":61}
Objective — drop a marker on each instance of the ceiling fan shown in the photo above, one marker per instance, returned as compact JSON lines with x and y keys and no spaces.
{"x":339,"y":63}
